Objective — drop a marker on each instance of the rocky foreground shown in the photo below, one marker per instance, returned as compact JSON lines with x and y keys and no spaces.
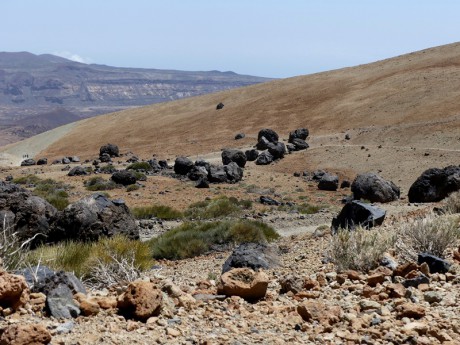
{"x":305,"y":302}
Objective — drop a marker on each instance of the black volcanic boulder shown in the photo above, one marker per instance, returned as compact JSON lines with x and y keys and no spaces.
{"x":299,"y":144}
{"x":252,"y":255}
{"x":202,"y":163}
{"x":357,"y":213}
{"x":239,"y":136}
{"x":277,"y":150}
{"x":329,"y":182}
{"x":262,"y":144}
{"x":42,"y":161}
{"x":110,"y":149}
{"x":28,"y":215}
{"x":251,"y":155}
{"x":268,"y":134}
{"x":182,"y":165}
{"x":435,"y":263}
{"x":299,"y":133}
{"x":124,"y":177}
{"x":217,"y":174}
{"x":435,"y":184}
{"x":77,"y":171}
{"x":197,"y":173}
{"x":104,"y":158}
{"x":374,"y":188}
{"x":93,"y":217}
{"x":264,"y":158}
{"x":27,"y":162}
{"x":234,"y":172}
{"x":220,"y":106}
{"x":231,"y":155}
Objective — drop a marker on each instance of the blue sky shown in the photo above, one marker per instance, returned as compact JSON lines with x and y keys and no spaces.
{"x":265,"y":38}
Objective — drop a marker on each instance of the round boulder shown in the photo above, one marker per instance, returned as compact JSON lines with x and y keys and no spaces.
{"x":374,"y":188}
{"x":299,"y":133}
{"x":231,"y":155}
{"x":264,"y":158}
{"x":277,"y":150}
{"x":140,"y":301}
{"x":182,"y":165}
{"x":251,"y":155}
{"x":245,"y":283}
{"x":435,"y":184}
{"x":268,"y":134}
{"x":110,"y":149}
{"x":124,"y":177}
{"x":329,"y":182}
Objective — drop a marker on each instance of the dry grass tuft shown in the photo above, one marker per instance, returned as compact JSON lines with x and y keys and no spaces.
{"x":360,"y":250}
{"x":453,"y":203}
{"x":431,"y":235}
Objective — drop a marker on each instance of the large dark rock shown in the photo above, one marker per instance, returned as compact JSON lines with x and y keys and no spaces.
{"x":251,"y":155}
{"x":299,"y":133}
{"x":197,"y":173}
{"x":182,"y":165}
{"x":30,"y":216}
{"x":329,"y":182}
{"x":299,"y":144}
{"x":104,"y":158}
{"x":264,"y":158}
{"x":77,"y":171}
{"x":42,"y":161}
{"x":266,"y":200}
{"x":48,"y":280}
{"x":110,"y":149}
{"x":357,"y":213}
{"x":277,"y":150}
{"x":220,"y":106}
{"x":231,"y":155}
{"x":60,"y":303}
{"x":436,"y":264}
{"x":374,"y":188}
{"x":234,"y":172}
{"x":252,"y":255}
{"x":268,"y":134}
{"x":217,"y":174}
{"x":202,"y":183}
{"x":94,"y":217}
{"x":124,"y":177}
{"x":27,"y":162}
{"x":239,"y":136}
{"x":262,"y":144}
{"x":435,"y":184}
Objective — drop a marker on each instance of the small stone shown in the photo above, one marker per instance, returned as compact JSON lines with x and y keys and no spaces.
{"x":410,"y":310}
{"x":432,"y":297}
{"x":367,"y":304}
{"x":172,"y":332}
{"x":376,"y":278}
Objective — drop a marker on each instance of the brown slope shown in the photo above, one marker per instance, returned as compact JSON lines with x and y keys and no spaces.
{"x":400,"y":100}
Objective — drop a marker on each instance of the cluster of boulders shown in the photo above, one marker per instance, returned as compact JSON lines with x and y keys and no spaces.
{"x":205,"y":173}
{"x":35,"y":220}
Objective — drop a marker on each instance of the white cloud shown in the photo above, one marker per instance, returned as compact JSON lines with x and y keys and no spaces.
{"x":72,"y":56}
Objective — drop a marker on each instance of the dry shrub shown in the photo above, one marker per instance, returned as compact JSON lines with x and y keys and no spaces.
{"x":360,"y":249}
{"x":431,"y":235}
{"x":453,"y":203}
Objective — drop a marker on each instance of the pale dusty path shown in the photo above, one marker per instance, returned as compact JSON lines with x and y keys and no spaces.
{"x":11,"y":155}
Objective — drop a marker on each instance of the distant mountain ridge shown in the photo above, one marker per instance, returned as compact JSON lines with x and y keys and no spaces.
{"x":32,"y":85}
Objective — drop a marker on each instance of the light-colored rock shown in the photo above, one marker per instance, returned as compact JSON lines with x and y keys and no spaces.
{"x":314,"y":310}
{"x":14,"y":292}
{"x":140,"y":301}
{"x":23,"y":334}
{"x":245,"y":283}
{"x":410,"y":310}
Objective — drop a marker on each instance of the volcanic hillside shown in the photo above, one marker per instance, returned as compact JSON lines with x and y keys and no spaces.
{"x":404,"y":110}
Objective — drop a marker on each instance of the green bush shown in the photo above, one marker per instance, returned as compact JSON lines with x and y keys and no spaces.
{"x":217,"y":208}
{"x":95,"y":262}
{"x":98,"y":183}
{"x":158,"y":211}
{"x":108,"y":169}
{"x":139,"y":166}
{"x":52,"y":191}
{"x":132,"y":187}
{"x":196,"y":238}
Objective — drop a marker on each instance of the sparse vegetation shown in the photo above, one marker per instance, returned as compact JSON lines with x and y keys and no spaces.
{"x":109,"y":260}
{"x":196,"y":238}
{"x":98,"y":183}
{"x":360,"y":250}
{"x":52,"y":191}
{"x":217,"y":208}
{"x":158,"y":211}
{"x":108,"y":169}
{"x":303,"y":208}
{"x":12,"y":250}
{"x":143,"y":166}
{"x":453,"y":203}
{"x":431,"y":235}
{"x":132,"y":187}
